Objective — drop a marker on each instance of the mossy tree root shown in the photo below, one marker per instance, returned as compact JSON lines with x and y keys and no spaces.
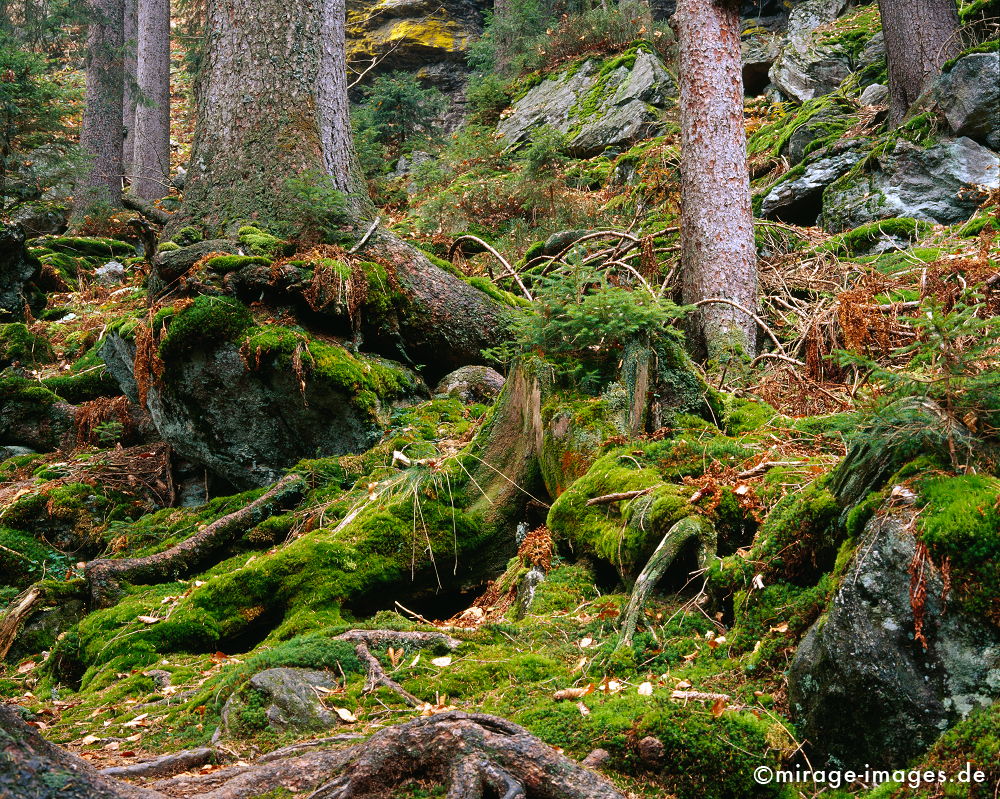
{"x":474,"y":754}
{"x":688,"y":528}
{"x":363,"y":639}
{"x":103,"y":575}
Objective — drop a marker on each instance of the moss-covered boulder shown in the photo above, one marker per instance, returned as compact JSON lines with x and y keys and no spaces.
{"x":18,"y":270}
{"x":19,"y":344}
{"x":895,"y":660}
{"x":249,"y":401}
{"x":31,"y":415}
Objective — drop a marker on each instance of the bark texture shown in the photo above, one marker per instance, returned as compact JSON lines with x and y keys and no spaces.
{"x":151,"y":161}
{"x":273,"y":106}
{"x":101,"y":132}
{"x":129,"y":96}
{"x":718,"y":254}
{"x":920,"y":35}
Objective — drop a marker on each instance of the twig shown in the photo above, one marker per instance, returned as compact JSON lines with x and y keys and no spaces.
{"x":365,"y":237}
{"x":456,"y":245}
{"x":609,"y":498}
{"x":749,"y":313}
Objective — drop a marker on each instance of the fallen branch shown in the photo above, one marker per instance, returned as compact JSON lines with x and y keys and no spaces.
{"x":606,"y":499}
{"x":690,"y":527}
{"x":456,"y":245}
{"x":364,"y":238}
{"x":762,"y":468}
{"x":103,"y":575}
{"x":146,"y":208}
{"x":22,"y":607}
{"x":163,"y":766}
{"x":749,"y":313}
{"x":376,"y":675}
{"x":699,"y":695}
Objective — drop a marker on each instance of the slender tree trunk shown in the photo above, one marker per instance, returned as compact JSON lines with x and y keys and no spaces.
{"x":920,"y":35}
{"x":129,"y":94}
{"x":273,"y":105}
{"x":101,"y":133}
{"x":718,"y":254}
{"x":152,"y":114}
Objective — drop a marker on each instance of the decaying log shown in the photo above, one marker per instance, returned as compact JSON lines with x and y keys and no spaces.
{"x":103,"y":574}
{"x":690,"y":527}
{"x":22,"y":607}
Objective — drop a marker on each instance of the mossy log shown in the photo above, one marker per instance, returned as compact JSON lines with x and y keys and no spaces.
{"x":103,"y":574}
{"x":688,"y":528}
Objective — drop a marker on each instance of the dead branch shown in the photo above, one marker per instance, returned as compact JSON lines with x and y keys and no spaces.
{"x":163,"y":766}
{"x":762,"y":468}
{"x":749,"y":313}
{"x":22,"y":607}
{"x":147,"y":209}
{"x":606,"y":499}
{"x":103,"y":574}
{"x":364,"y":239}
{"x":457,"y":245}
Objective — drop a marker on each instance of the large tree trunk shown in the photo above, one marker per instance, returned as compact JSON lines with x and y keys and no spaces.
{"x":920,"y":35}
{"x":152,"y":115}
{"x":718,"y":255}
{"x":129,"y":95}
{"x":273,"y":106}
{"x":101,"y":133}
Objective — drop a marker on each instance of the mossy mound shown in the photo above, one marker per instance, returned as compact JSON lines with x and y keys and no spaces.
{"x":30,"y":414}
{"x":19,"y":344}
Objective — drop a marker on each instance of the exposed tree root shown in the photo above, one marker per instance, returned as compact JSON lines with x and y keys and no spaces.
{"x":103,"y":575}
{"x":163,"y":766}
{"x":22,"y":607}
{"x":472,"y":754}
{"x":363,"y":639}
{"x":675,"y":538}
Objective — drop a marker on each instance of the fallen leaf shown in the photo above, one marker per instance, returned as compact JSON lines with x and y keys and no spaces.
{"x":682,"y":685}
{"x":89,"y":739}
{"x":585,"y":642}
{"x":149,"y":619}
{"x":24,"y":668}
{"x":441,"y":662}
{"x":584,"y":710}
{"x":345,"y":715}
{"x":645,"y":689}
{"x":573,"y":693}
{"x":781,"y":628}
{"x":718,"y":707}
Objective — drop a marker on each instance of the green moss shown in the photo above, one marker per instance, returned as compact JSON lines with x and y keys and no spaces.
{"x":187,"y":236}
{"x":261,"y":243}
{"x":981,"y":221}
{"x":224,"y":264}
{"x":18,"y":343}
{"x":22,"y":558}
{"x":991,"y":46}
{"x":87,"y":247}
{"x":87,"y":379}
{"x":168,"y":246}
{"x":205,"y":323}
{"x":960,"y":521}
{"x":746,"y":416}
{"x":860,"y":239}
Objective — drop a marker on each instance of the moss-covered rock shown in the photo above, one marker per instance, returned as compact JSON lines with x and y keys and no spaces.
{"x":19,"y":344}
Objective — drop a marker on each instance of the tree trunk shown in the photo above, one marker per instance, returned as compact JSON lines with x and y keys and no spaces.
{"x":718,"y":255}
{"x":920,"y":35}
{"x":273,"y":106}
{"x":152,"y":114}
{"x":129,"y":95}
{"x":101,"y":133}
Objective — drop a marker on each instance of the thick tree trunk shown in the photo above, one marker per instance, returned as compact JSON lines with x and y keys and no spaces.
{"x":718,"y":255}
{"x":152,"y":114}
{"x":920,"y":35}
{"x":129,"y":95}
{"x":273,"y":106}
{"x":101,"y":133}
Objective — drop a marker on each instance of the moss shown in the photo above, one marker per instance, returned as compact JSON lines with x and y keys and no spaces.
{"x":746,"y":416}
{"x":991,"y":46}
{"x":18,"y":343}
{"x":960,"y":522}
{"x":982,"y":221}
{"x":87,"y":247}
{"x":187,"y":236}
{"x":205,"y":323}
{"x":261,"y":243}
{"x":87,"y":379}
{"x":860,"y":239}
{"x":22,"y":558}
{"x":224,"y":264}
{"x":168,"y":246}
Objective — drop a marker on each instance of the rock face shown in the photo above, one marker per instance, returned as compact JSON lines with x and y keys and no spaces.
{"x":862,"y":688}
{"x":799,"y":200}
{"x":472,"y":384}
{"x":598,"y":106}
{"x":808,"y":66}
{"x":969,"y":96}
{"x":247,"y":425}
{"x":17,"y":271}
{"x":931,"y":185}
{"x":290,"y":699}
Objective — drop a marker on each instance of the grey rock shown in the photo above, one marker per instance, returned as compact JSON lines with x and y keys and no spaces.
{"x":969,"y":96}
{"x":816,"y":127}
{"x":862,"y":689}
{"x":799,"y":200}
{"x":759,"y":50}
{"x":873,"y":52}
{"x":616,"y":110}
{"x":111,"y":274}
{"x":172,"y":264}
{"x":472,"y":384}
{"x":18,"y":270}
{"x":249,"y":425}
{"x":876,"y":94}
{"x":291,"y":697}
{"x":930,"y":184}
{"x":14,"y":452}
{"x":807,"y":67}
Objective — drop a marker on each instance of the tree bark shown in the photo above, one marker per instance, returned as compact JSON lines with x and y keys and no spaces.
{"x":920,"y":35}
{"x":101,"y":132}
{"x":273,"y":106}
{"x":129,"y":95}
{"x":718,"y":254}
{"x":152,"y":114}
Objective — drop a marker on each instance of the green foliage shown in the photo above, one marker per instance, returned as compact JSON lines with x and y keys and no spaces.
{"x":318,"y":207}
{"x":36,"y":148}
{"x":206,"y":322}
{"x":18,"y":343}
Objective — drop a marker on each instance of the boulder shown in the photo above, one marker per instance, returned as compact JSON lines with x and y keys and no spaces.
{"x":876,"y":94}
{"x":599,"y":105}
{"x":809,"y":66}
{"x":18,"y":270}
{"x":472,"y":384}
{"x":862,"y":689}
{"x":290,"y":699}
{"x":933,"y":185}
{"x":798,"y":199}
{"x":171,"y":264}
{"x":759,"y":50}
{"x":969,"y":96}
{"x":820,"y":126}
{"x":111,"y":274}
